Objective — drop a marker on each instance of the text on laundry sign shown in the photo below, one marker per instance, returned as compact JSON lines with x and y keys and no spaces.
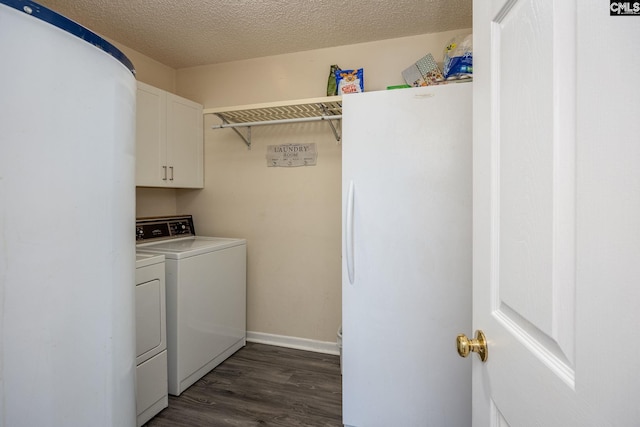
{"x":291,"y":155}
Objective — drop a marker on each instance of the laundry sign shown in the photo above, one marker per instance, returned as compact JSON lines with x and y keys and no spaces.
{"x":291,"y":155}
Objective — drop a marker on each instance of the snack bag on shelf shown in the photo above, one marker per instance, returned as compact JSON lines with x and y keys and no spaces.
{"x":424,"y":72}
{"x":350,"y":81}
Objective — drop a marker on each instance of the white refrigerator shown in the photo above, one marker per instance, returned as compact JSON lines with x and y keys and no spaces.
{"x":406,"y":281}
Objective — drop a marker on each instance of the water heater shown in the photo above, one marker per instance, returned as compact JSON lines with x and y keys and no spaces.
{"x":67,"y":216}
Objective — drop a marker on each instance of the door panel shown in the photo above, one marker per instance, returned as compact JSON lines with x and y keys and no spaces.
{"x":556,"y":211}
{"x":499,"y":420}
{"x":534,"y":185}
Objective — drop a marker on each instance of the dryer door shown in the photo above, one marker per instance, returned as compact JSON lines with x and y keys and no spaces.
{"x":150,"y":312}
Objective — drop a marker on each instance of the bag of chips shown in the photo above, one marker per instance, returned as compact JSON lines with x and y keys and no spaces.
{"x":350,"y":81}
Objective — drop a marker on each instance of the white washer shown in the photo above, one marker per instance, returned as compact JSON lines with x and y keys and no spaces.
{"x":206,"y":296}
{"x":151,"y":337}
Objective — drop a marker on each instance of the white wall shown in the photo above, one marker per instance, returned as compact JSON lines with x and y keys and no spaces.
{"x":291,"y":217}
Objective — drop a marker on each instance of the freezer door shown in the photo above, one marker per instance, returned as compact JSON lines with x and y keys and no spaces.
{"x":406,"y":256}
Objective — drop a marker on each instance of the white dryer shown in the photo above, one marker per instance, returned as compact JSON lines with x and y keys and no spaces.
{"x":206,"y":295}
{"x":151,"y":342}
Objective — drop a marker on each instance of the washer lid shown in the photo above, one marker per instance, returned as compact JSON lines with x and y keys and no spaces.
{"x":190,"y":246}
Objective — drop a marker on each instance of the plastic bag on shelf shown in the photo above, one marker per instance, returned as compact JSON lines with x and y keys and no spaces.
{"x":458,"y":58}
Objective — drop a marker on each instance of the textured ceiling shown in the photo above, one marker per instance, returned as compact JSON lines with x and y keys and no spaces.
{"x":186,"y":33}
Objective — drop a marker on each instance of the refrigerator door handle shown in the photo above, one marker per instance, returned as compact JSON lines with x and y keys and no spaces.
{"x":349,"y":233}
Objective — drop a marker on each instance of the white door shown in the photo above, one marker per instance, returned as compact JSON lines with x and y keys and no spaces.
{"x":151,"y":138}
{"x":556,"y":276}
{"x":184,"y":143}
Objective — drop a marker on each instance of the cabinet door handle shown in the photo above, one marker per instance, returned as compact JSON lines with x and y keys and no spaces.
{"x":164,"y":173}
{"x":171,"y":170}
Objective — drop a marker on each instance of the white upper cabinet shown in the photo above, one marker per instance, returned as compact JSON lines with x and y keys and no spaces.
{"x":169,"y":140}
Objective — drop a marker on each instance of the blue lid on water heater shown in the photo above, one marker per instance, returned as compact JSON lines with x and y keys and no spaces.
{"x":54,"y":18}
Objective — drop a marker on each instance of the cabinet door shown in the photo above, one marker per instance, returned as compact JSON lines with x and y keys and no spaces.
{"x":184,"y":143}
{"x":151,"y":118}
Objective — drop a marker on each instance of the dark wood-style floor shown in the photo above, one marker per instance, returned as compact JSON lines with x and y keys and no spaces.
{"x":262,"y":385}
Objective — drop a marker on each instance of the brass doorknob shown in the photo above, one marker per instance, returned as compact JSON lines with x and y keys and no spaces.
{"x":477,"y":345}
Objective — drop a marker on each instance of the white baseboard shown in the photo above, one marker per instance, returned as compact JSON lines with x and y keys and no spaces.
{"x":325,"y":347}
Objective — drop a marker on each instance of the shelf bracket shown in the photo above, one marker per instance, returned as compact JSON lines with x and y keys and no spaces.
{"x":246,"y":139}
{"x":325,"y":113}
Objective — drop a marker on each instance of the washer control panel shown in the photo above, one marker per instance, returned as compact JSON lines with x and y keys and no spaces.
{"x":161,"y":228}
